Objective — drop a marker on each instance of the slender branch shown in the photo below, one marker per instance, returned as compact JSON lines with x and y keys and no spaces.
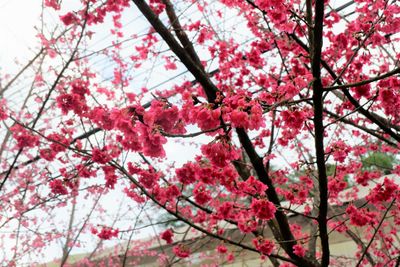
{"x":125,"y":256}
{"x":371,"y":116}
{"x":359,"y":242}
{"x":191,"y":134}
{"x":371,"y":80}
{"x":365,"y":129}
{"x":21,"y":72}
{"x":376,"y":232}
{"x":375,"y":118}
{"x":53,"y":87}
{"x":65,"y":249}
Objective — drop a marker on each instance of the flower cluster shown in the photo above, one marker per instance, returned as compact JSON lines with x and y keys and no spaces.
{"x":57,"y":187}
{"x":220,"y":153}
{"x":167,"y":235}
{"x":263,"y":209}
{"x":24,"y":137}
{"x":106,"y":233}
{"x":181,"y":251}
{"x":264,"y":246}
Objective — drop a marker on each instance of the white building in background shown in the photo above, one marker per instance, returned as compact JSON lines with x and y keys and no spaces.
{"x":146,"y":252}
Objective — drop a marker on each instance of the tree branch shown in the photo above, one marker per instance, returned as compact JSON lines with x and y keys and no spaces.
{"x":371,"y":80}
{"x":315,"y":51}
{"x":180,"y":52}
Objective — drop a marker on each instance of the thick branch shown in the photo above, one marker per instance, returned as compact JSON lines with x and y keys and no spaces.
{"x":178,"y":50}
{"x":316,"y":49}
{"x":211,"y":90}
{"x":180,"y":33}
{"x":281,"y":218}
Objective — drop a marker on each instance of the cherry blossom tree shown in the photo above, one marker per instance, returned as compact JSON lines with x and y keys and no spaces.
{"x":252,"y":117}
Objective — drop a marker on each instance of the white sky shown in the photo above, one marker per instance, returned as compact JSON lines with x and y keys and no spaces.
{"x":17,"y":20}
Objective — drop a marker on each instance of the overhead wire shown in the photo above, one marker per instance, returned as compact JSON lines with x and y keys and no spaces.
{"x":343,"y":7}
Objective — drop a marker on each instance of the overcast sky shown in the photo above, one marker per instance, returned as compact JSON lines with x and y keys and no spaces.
{"x":17,"y":20}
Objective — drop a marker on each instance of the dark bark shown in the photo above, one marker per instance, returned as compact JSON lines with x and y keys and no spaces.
{"x":316,"y":48}
{"x":211,"y":91}
{"x":209,"y":88}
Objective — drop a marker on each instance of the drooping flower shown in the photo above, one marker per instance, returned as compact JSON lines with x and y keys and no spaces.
{"x":299,"y":250}
{"x":69,"y":18}
{"x":222,"y":249}
{"x":201,"y":194}
{"x":24,"y":137}
{"x":187,"y":173}
{"x":264,"y":246}
{"x":110,"y":176}
{"x":181,"y":251}
{"x":359,"y":217}
{"x":107,"y":233}
{"x":3,"y":110}
{"x":57,"y":187}
{"x":220,"y":153}
{"x":100,"y":156}
{"x":167,"y":235}
{"x":263,"y":209}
